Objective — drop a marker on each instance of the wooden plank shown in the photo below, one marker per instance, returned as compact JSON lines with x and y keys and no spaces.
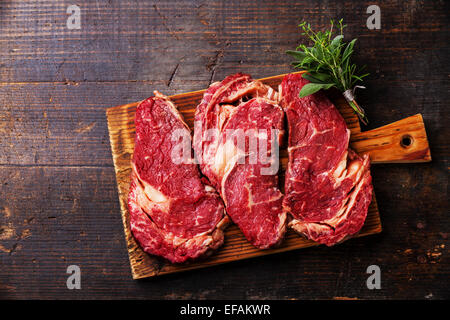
{"x":37,"y":46}
{"x":46,"y":127}
{"x":53,"y":217}
{"x":236,"y":247}
{"x":71,"y":216}
{"x":43,"y":123}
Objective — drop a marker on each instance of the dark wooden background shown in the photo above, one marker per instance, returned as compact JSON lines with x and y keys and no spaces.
{"x":58,"y":197}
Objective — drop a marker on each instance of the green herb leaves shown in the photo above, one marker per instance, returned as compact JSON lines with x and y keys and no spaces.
{"x":311,"y":88}
{"x":328,"y":62}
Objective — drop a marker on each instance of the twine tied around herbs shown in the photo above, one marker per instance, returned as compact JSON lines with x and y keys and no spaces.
{"x":349,"y":95}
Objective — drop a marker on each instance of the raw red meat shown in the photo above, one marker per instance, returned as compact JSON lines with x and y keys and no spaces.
{"x":328,"y":186}
{"x":249,"y":189}
{"x":173,"y":213}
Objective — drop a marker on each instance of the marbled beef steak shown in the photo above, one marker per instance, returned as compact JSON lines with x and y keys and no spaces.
{"x":328,"y":186}
{"x":241,"y":107}
{"x":173,"y":212}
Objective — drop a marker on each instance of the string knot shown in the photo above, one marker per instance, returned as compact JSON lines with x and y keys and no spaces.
{"x":349,"y":94}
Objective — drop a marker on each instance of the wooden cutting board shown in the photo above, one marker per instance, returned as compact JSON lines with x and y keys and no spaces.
{"x":404,"y":141}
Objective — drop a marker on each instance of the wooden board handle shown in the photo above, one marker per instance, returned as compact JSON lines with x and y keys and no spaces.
{"x":404,"y":141}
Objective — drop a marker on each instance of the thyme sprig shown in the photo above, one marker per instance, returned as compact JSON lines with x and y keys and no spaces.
{"x":328,"y":63}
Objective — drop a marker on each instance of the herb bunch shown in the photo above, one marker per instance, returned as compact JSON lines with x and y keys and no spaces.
{"x":328,"y":64}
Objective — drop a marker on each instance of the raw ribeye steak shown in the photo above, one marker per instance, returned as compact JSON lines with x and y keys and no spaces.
{"x":240,"y":108}
{"x":173,"y":212}
{"x":328,"y":186}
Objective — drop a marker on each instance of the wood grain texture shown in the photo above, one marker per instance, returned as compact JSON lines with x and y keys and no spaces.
{"x":58,"y":196}
{"x":403,"y":141}
{"x":236,"y":247}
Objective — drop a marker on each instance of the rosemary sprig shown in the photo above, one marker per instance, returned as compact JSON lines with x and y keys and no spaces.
{"x":328,"y":64}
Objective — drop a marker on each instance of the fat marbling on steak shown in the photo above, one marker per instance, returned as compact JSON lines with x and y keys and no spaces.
{"x":328,"y":186}
{"x":173,"y":212}
{"x":241,"y":107}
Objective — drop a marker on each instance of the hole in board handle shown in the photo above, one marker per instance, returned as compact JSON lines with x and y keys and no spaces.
{"x":406,"y":141}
